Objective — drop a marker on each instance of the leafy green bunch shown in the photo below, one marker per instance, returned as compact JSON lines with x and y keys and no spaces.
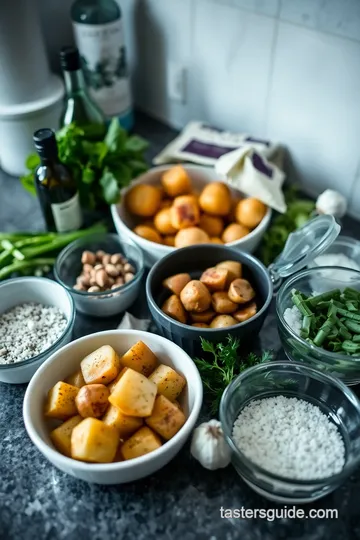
{"x":224,"y":363}
{"x":101,"y":165}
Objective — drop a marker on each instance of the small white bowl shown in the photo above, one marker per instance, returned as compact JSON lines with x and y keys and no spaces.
{"x":42,"y":291}
{"x":124,"y":222}
{"x":66,"y":361}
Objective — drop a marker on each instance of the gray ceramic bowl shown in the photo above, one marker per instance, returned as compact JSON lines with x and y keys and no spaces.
{"x":195,"y":260}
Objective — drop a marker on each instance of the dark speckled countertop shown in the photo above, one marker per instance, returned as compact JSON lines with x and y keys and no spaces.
{"x":182,"y":501}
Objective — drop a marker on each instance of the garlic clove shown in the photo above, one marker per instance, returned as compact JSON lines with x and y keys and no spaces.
{"x":208,"y":446}
{"x":331,"y":202}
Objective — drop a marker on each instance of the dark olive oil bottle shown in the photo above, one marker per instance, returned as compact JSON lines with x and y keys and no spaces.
{"x":56,"y":189}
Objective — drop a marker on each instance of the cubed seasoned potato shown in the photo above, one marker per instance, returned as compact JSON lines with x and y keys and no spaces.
{"x":112,"y":385}
{"x":92,"y":400}
{"x":76,"y":379}
{"x":94,"y":441}
{"x":221,"y":303}
{"x":118,"y":455}
{"x":234,"y":269}
{"x":60,"y":401}
{"x":185,"y":212}
{"x":126,"y":425}
{"x":195,"y":296}
{"x":142,"y":442}
{"x":61,"y":436}
{"x":166,"y":418}
{"x":215,"y":278}
{"x":241,"y":291}
{"x":177,"y":282}
{"x":140,"y":358}
{"x":101,"y":366}
{"x":203,"y":317}
{"x":134,"y":394}
{"x":169,"y":383}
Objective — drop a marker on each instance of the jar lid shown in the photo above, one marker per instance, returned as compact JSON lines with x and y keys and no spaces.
{"x":304,"y":245}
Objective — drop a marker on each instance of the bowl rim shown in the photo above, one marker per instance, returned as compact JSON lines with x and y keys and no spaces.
{"x":299,"y":339}
{"x":169,"y":249}
{"x":338,"y":477}
{"x":65,"y":461}
{"x":102,"y":294}
{"x":68,"y":327}
{"x":151,"y":300}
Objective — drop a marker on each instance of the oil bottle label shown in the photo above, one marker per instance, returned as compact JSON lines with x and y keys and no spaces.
{"x":104,"y":63}
{"x":67,"y":215}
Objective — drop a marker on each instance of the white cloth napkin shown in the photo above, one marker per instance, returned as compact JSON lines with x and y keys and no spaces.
{"x":250,"y":172}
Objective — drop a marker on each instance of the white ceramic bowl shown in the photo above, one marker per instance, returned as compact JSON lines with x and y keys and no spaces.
{"x":43,"y":291}
{"x":64,"y":362}
{"x":200,"y":176}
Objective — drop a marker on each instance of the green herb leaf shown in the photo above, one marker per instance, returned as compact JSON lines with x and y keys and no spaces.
{"x":88,"y":175}
{"x":111,"y":192}
{"x":115,"y":137}
{"x":136,"y":144}
{"x":28,"y":183}
{"x":32,"y":162}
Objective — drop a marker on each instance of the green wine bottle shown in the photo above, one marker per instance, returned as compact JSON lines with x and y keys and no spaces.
{"x":79,"y":107}
{"x":99,"y":35}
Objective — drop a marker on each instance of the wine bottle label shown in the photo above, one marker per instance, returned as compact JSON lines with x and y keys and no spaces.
{"x":104,"y":64}
{"x":67,"y":215}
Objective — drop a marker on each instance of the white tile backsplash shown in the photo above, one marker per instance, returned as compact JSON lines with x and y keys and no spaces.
{"x":314,"y":106}
{"x":340,"y":17}
{"x":230,"y":66}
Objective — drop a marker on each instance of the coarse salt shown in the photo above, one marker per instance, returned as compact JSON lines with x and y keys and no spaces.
{"x":289,"y":437}
{"x":28,"y":330}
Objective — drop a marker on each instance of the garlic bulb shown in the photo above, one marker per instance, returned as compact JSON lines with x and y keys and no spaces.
{"x":331,"y":202}
{"x":208,"y":446}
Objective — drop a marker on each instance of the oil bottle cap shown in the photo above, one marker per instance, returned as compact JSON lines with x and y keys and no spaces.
{"x":70,"y":59}
{"x":45,"y":143}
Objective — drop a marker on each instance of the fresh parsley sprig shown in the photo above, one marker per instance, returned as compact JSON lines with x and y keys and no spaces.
{"x":225,"y":363}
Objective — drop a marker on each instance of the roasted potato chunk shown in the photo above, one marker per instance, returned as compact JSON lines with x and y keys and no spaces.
{"x":126,"y":425}
{"x":76,"y":379}
{"x":143,"y":200}
{"x":162,"y":222}
{"x":169,"y":383}
{"x":203,"y":317}
{"x":174,"y":308}
{"x":148,"y":233}
{"x":191,"y":237}
{"x":61,"y":436}
{"x":176,"y":283}
{"x":195,"y":296}
{"x":92,"y":400}
{"x":60,"y":401}
{"x":176,"y":181}
{"x":234,"y":268}
{"x":166,"y":418}
{"x":221,"y":303}
{"x":223,"y":321}
{"x":240,"y":291}
{"x":250,"y":212}
{"x":215,"y":199}
{"x":184,"y":212}
{"x":234,"y":231}
{"x":169,"y":240}
{"x":246,"y":312}
{"x":101,"y":366}
{"x":93,"y":441}
{"x":134,"y":394}
{"x":140,"y":358}
{"x":215,"y":278}
{"x":212,"y":225}
{"x":200,"y":325}
{"x":142,"y":442}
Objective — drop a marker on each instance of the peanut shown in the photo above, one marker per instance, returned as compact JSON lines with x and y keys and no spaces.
{"x":111,"y":270}
{"x":129,"y":268}
{"x":128,"y":277}
{"x":79,"y":287}
{"x":99,"y":255}
{"x":88,"y":257}
{"x":116,"y":258}
{"x":98,"y":267}
{"x":106,"y":259}
{"x":101,"y":278}
{"x":95,"y":288}
{"x":87,"y":268}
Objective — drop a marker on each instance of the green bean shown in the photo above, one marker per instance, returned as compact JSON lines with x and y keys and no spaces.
{"x":352,"y":293}
{"x":330,"y":295}
{"x":349,"y":314}
{"x":353,"y":326}
{"x":300,"y":304}
{"x":323,"y":332}
{"x":351,"y":306}
{"x":350,"y":346}
{"x":335,"y":346}
{"x":356,"y":338}
{"x":306,"y":325}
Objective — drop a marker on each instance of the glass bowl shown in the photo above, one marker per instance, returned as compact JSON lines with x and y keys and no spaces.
{"x":291,"y":379}
{"x":318,"y":280}
{"x":343,"y":245}
{"x":68,"y":267}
